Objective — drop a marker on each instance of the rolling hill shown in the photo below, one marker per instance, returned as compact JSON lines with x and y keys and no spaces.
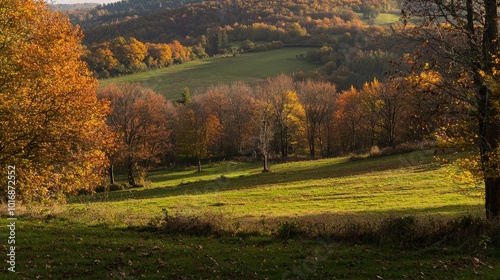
{"x":200,"y":74}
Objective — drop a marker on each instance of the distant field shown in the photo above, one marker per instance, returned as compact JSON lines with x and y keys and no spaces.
{"x":386,"y":19}
{"x":382,"y":19}
{"x":200,"y":74}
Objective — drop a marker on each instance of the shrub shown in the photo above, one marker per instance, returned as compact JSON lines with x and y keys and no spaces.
{"x":174,"y":224}
{"x":288,"y":230}
{"x":467,"y":232}
{"x":374,"y":150}
{"x":400,"y":149}
{"x":115,"y":187}
{"x":401,"y":230}
{"x":100,"y":189}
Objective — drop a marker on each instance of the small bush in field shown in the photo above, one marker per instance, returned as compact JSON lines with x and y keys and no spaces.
{"x":288,"y":230}
{"x":375,"y":150}
{"x":115,"y":187}
{"x":100,"y":189}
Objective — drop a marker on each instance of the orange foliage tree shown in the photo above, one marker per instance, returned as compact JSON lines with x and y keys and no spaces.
{"x":140,"y":118}
{"x":197,"y":130}
{"x":53,"y":125}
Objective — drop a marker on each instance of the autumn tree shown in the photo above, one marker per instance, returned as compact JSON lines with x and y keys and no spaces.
{"x":140,"y":118}
{"x":159,"y":55}
{"x":287,"y":112}
{"x":348,"y":119}
{"x":180,"y":53}
{"x":428,"y":102}
{"x":459,"y":40}
{"x":318,"y":100}
{"x":102,"y":60}
{"x":53,"y":125}
{"x":232,"y":104}
{"x":197,"y":131}
{"x":370,"y":107}
{"x":130,"y":52}
{"x":395,"y":111}
{"x":239,"y":109}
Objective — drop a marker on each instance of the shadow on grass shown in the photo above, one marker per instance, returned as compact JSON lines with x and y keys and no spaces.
{"x":289,"y":174}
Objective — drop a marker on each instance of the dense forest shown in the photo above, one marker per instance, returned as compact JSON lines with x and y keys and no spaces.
{"x":158,"y":21}
{"x":193,"y":20}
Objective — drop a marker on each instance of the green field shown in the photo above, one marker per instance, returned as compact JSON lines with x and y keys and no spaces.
{"x":109,"y":235}
{"x":381,"y":19}
{"x":199,"y":74}
{"x":410,"y":184}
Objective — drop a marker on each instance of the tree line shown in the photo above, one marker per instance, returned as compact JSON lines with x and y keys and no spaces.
{"x":276,"y":119}
{"x":122,"y":56}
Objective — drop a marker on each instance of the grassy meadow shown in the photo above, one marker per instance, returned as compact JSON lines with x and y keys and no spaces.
{"x":200,"y":74}
{"x":408,"y":184}
{"x":115,"y":235}
{"x":386,"y":18}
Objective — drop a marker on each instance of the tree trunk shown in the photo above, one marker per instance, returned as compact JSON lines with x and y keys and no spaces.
{"x":266,"y":164}
{"x":199,"y":164}
{"x":489,"y":129}
{"x":489,"y":133}
{"x":310,"y":127}
{"x":111,"y":173}
{"x":312,"y":149}
{"x":283,"y":142}
{"x":130,"y":172}
{"x":492,"y":197}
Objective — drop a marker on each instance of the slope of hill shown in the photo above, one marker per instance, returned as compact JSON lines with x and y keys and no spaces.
{"x":112,"y":13}
{"x":200,"y":74}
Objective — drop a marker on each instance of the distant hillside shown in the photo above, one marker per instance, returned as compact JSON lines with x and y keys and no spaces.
{"x":358,"y":45}
{"x":119,"y":11}
{"x":193,"y":19}
{"x":126,"y":7}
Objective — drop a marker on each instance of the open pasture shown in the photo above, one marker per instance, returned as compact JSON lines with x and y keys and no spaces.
{"x":200,"y":74}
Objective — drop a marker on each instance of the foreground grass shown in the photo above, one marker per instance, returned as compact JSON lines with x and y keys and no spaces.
{"x":200,"y":74}
{"x":58,"y":249}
